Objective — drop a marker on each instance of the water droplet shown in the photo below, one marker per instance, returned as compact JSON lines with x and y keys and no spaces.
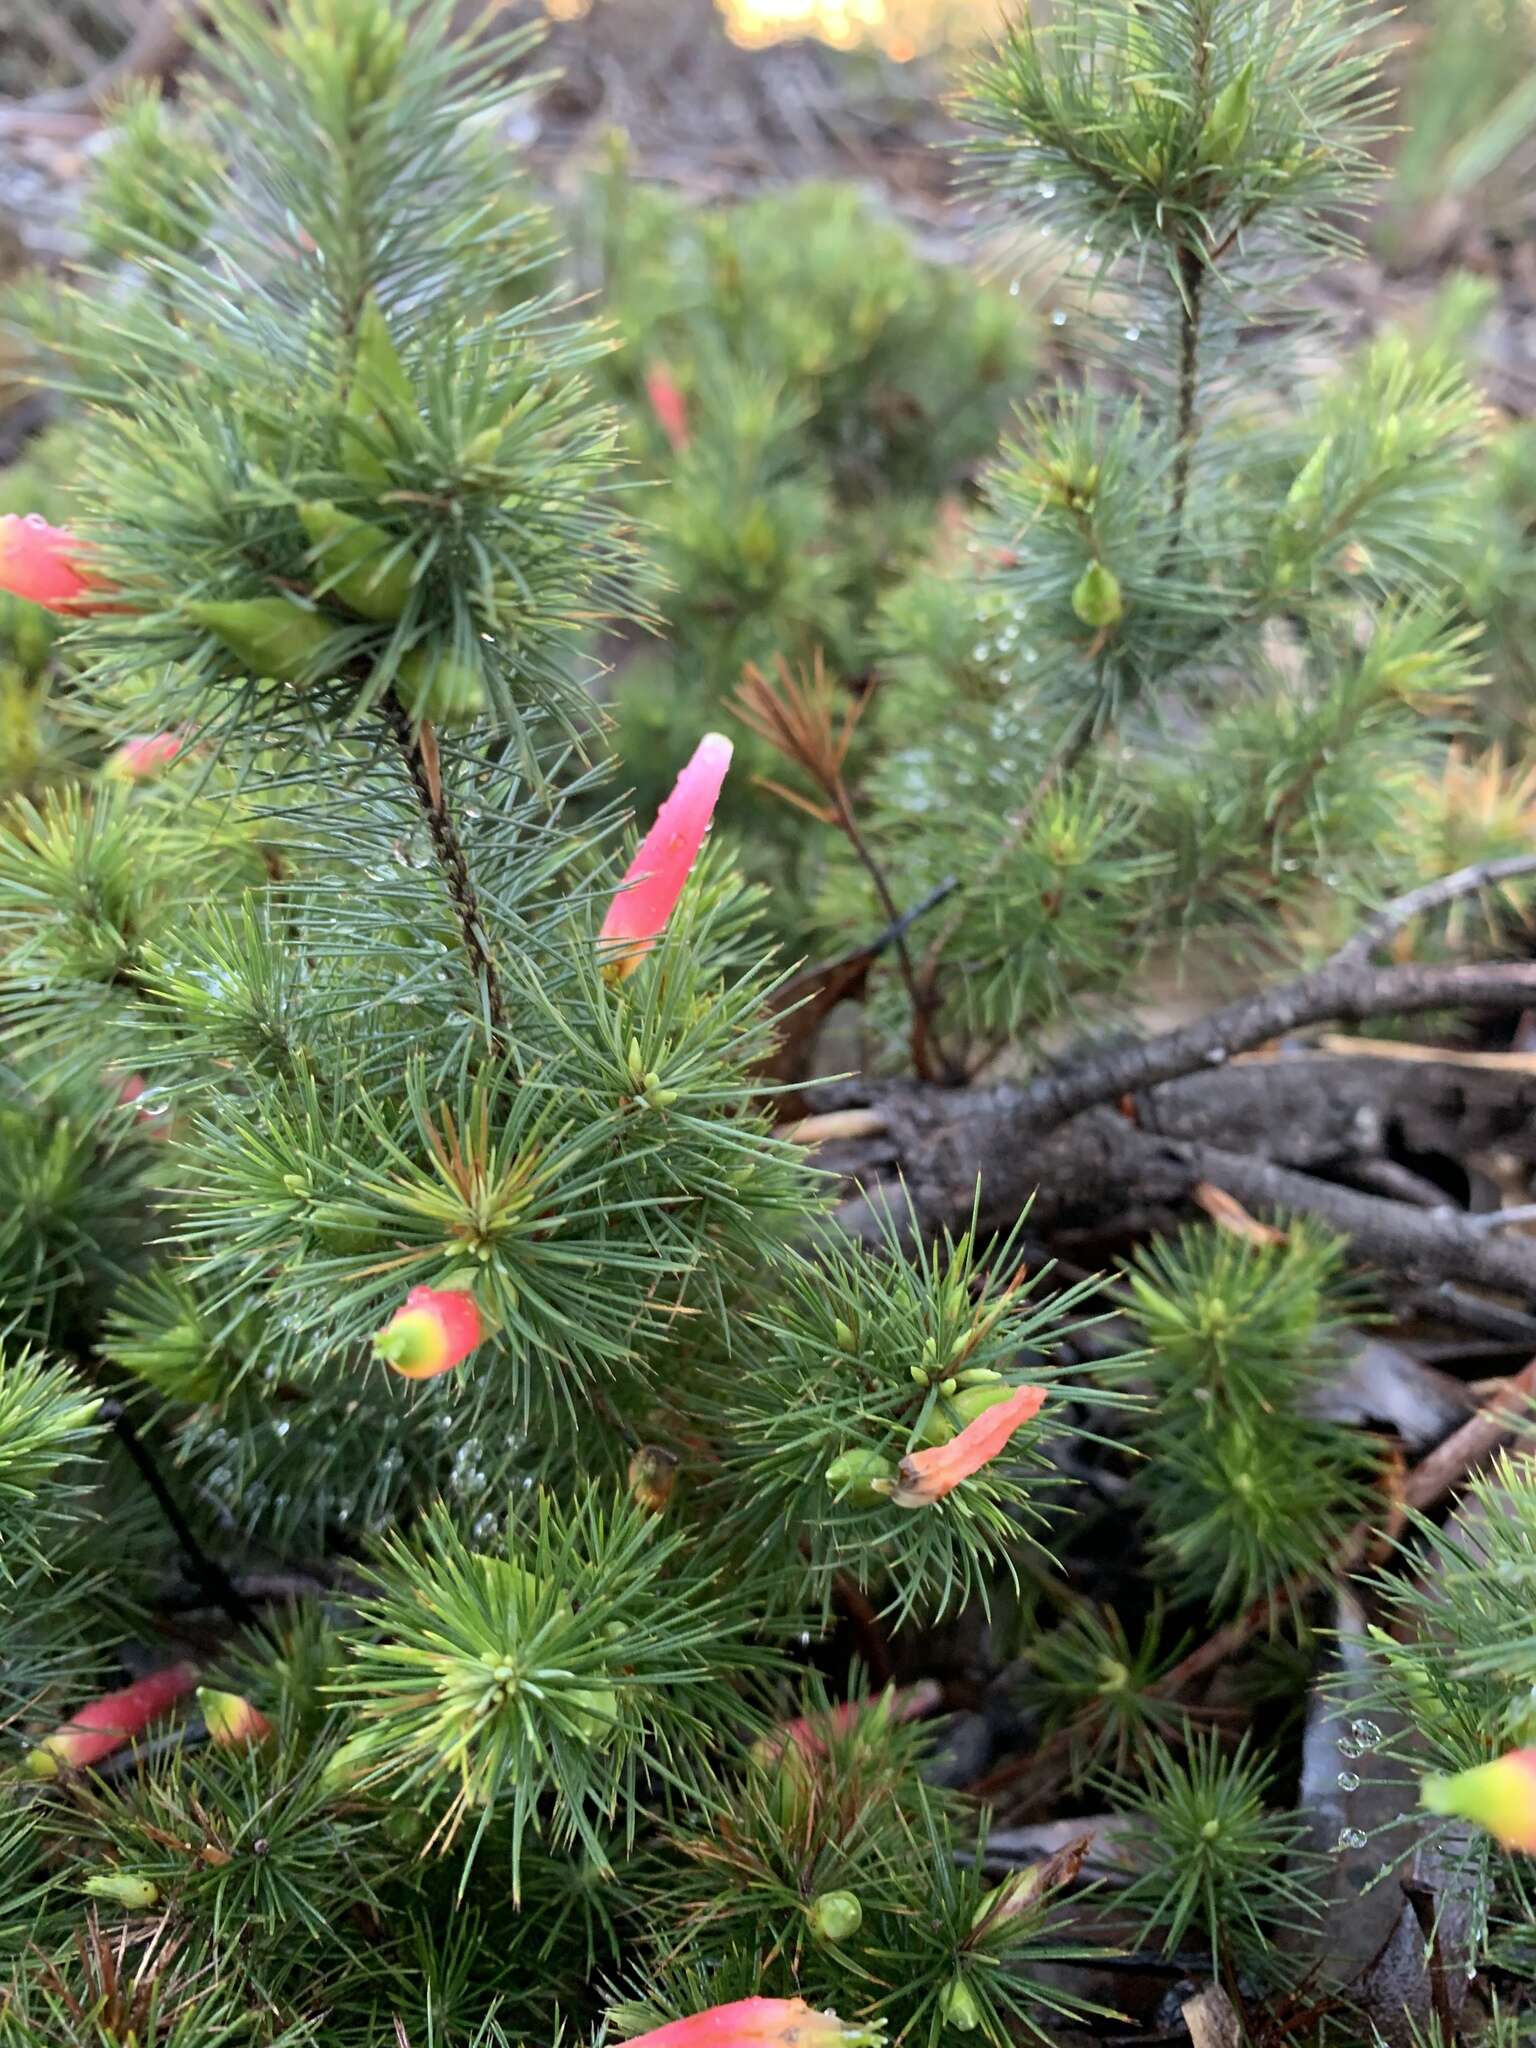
{"x":485,"y":1527}
{"x":1058,"y":318}
{"x":1366,"y":1733}
{"x":1348,"y":1748}
{"x":980,"y":651}
{"x":1046,"y":189}
{"x":1133,"y":332}
{"x":1352,"y":1838}
{"x":1014,"y":287}
{"x":1348,"y":1782}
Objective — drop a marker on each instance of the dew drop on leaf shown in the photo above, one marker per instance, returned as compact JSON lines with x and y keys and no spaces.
{"x":1352,"y":1838}
{"x":1348,"y":1782}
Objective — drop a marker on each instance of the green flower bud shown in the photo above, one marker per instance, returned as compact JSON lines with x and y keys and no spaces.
{"x":380,"y":390}
{"x":950,"y":1417}
{"x":268,"y":636}
{"x":1306,"y":493}
{"x":919,"y":1376}
{"x":844,"y":1334}
{"x":353,"y":559}
{"x":861,"y":1476}
{"x":1098,"y":599}
{"x":439,"y":686}
{"x":1226,"y":125}
{"x":978,"y":1376}
{"x":835,"y":1916}
{"x":959,"y":2007}
{"x":136,"y":1893}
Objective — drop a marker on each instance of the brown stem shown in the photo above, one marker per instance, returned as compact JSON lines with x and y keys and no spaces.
{"x":848,"y":825}
{"x":452,"y":864}
{"x":1191,"y":294}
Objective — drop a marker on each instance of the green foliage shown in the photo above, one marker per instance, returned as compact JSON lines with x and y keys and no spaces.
{"x":1087,"y":1678}
{"x":156,"y":183}
{"x":1240,"y":1487}
{"x":1209,"y":1857}
{"x":565,"y":1661}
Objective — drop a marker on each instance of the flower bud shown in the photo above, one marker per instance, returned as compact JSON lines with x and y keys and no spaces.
{"x":1500,"y":1797}
{"x":927,"y":1476}
{"x":48,"y":566}
{"x":1226,"y":125}
{"x":652,"y":1477}
{"x":1098,"y":599}
{"x":232,"y":1722}
{"x":136,"y":1893}
{"x":963,"y":1405}
{"x":436,"y":685}
{"x":669,"y":405}
{"x":654,"y":879}
{"x":760,"y":2023}
{"x":380,"y":390}
{"x":359,"y":563}
{"x":835,"y":1916}
{"x":959,"y":2007}
{"x":437,"y":1329}
{"x":107,"y":1723}
{"x":144,"y":755}
{"x":863,"y":1477}
{"x":268,"y":636}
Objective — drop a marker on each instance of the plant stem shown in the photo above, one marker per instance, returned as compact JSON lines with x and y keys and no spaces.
{"x":449,"y":852}
{"x":1191,"y":296}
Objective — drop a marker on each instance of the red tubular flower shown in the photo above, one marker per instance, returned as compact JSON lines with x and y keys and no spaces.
{"x":669,"y":405}
{"x":437,"y":1328}
{"x":145,"y":755}
{"x":655,"y":877}
{"x":107,"y":1723}
{"x":1500,"y":1797}
{"x":43,"y":563}
{"x":927,"y":1476}
{"x":759,"y":2023}
{"x":232,"y":1722}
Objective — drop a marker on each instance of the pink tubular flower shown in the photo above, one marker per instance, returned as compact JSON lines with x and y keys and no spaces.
{"x":810,"y":1731}
{"x":437,"y":1328}
{"x":145,"y":755}
{"x":232,"y":1722}
{"x":759,"y":2023}
{"x":655,"y":877}
{"x":669,"y":405}
{"x":107,"y":1723}
{"x":927,"y":1476}
{"x":43,"y":563}
{"x":1500,"y":1797}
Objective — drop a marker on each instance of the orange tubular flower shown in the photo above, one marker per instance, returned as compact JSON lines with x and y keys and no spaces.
{"x":232,"y":1722}
{"x":655,"y":877}
{"x":926,"y":1476}
{"x":759,"y":2023}
{"x":669,"y":406}
{"x":107,"y":1723}
{"x":437,"y":1328}
{"x":1500,"y":1797}
{"x":43,"y":563}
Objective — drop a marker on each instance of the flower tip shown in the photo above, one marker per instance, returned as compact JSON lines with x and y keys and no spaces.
{"x":231,"y":1720}
{"x":437,"y":1329}
{"x":41,"y":563}
{"x":655,"y":877}
{"x":927,"y":1476}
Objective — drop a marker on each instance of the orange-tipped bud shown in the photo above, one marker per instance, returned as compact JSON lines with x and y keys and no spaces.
{"x":48,"y":565}
{"x":760,"y":2023}
{"x":927,"y":1476}
{"x":437,"y":1329}
{"x":232,"y":1722}
{"x":1500,"y":1797}
{"x":655,"y":877}
{"x":107,"y":1723}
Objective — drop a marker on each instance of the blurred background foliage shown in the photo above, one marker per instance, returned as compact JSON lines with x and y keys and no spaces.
{"x":816,"y":370}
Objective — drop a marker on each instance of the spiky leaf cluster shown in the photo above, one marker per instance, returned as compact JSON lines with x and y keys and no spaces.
{"x":1240,"y":1486}
{"x":1211,"y":1858}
